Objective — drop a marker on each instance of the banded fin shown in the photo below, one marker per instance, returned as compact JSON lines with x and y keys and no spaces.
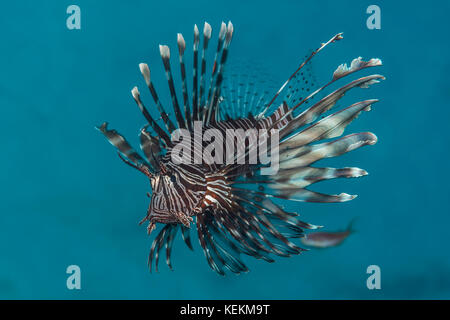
{"x":272,"y":121}
{"x":169,"y":244}
{"x":157,"y":246}
{"x":294,"y":193}
{"x":220,"y":252}
{"x":186,"y":236}
{"x":330,"y":127}
{"x":187,"y":113}
{"x":335,"y":38}
{"x":118,"y":141}
{"x":301,"y":177}
{"x":305,"y":176}
{"x":151,"y":147}
{"x":206,"y":37}
{"x":278,"y":243}
{"x":137,"y":98}
{"x":310,"y":115}
{"x":356,"y":64}
{"x":301,"y":84}
{"x":195,"y":107}
{"x":365,"y":82}
{"x":165,"y":55}
{"x":222,"y":33}
{"x":213,"y":103}
{"x":307,"y":155}
{"x":145,"y":71}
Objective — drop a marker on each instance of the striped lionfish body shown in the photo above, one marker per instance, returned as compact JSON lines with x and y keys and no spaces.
{"x":233,"y":206}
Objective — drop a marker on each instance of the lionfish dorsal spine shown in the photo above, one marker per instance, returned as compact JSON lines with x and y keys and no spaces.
{"x":137,"y":98}
{"x":222,"y":33}
{"x":145,"y":71}
{"x":206,"y":37}
{"x":195,"y":110}
{"x":213,"y":104}
{"x":181,"y":47}
{"x":165,"y":56}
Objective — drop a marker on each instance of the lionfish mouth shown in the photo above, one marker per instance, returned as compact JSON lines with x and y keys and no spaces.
{"x":171,"y":216}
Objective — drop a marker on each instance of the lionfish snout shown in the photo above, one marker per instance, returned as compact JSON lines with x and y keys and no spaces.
{"x":170,"y":216}
{"x":173,"y":200}
{"x":166,"y":216}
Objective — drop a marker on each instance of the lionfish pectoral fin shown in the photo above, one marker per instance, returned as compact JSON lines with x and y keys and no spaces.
{"x":326,"y":103}
{"x":312,"y":113}
{"x":186,"y":235}
{"x":169,"y":243}
{"x":330,"y":127}
{"x":314,"y":153}
{"x":164,"y":238}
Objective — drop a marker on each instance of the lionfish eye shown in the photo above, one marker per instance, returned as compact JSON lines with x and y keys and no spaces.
{"x":173,"y":179}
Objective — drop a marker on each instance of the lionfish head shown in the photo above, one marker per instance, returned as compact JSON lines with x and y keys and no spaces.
{"x":177,"y":193}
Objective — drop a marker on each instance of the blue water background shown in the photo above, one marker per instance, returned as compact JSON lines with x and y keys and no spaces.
{"x":67,"y":199}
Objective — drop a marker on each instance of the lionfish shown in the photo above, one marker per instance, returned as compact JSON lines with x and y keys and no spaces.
{"x":233,"y":207}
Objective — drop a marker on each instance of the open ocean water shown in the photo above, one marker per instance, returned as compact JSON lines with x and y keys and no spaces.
{"x":66,"y":198}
